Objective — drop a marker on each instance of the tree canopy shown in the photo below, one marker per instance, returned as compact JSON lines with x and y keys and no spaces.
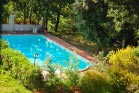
{"x":108,"y":21}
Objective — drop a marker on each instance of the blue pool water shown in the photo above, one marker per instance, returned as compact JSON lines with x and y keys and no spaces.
{"x":44,"y":47}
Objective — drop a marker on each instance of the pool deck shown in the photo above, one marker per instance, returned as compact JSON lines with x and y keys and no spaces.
{"x":82,"y":53}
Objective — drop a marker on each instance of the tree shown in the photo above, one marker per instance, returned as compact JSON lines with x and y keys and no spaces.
{"x":124,"y":17}
{"x":91,"y":17}
{"x":57,"y":7}
{"x":108,"y":21}
{"x":2,"y":3}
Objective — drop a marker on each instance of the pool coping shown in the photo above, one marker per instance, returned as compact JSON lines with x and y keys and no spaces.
{"x":65,"y":44}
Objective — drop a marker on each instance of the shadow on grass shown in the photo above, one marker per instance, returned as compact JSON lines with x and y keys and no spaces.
{"x":77,"y":39}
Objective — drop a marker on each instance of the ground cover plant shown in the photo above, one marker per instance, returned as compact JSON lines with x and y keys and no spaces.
{"x":16,"y":65}
{"x":10,"y":85}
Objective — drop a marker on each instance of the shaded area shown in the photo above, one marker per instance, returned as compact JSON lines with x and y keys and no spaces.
{"x":2,"y":2}
{"x":77,"y":39}
{"x":0,"y":14}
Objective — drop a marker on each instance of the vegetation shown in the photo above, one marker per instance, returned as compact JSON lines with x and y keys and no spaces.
{"x":10,"y":85}
{"x":96,"y":82}
{"x":15,"y":65}
{"x":105,"y":24}
{"x":109,"y":22}
{"x":119,"y":73}
{"x":124,"y":69}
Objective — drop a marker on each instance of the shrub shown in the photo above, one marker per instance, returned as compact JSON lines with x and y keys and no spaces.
{"x":72,"y":79}
{"x":18,"y":66}
{"x":3,"y":44}
{"x":122,"y":58}
{"x":72,"y":74}
{"x":52,"y":82}
{"x":10,"y":85}
{"x":95,"y":82}
{"x":18,"y":21}
{"x":36,"y":79}
{"x":33,"y":22}
{"x":124,"y":69}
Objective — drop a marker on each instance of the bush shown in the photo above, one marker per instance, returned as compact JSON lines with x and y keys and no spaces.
{"x":52,"y":82}
{"x":17,"y":65}
{"x":3,"y":44}
{"x":95,"y":82}
{"x":36,"y":79}
{"x":10,"y":85}
{"x":18,"y":21}
{"x":124,"y":69}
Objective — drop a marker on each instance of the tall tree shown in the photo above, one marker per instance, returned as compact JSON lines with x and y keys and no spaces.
{"x":91,"y":16}
{"x":108,"y":21}
{"x":58,"y":6}
{"x":22,"y":6}
{"x":26,"y":8}
{"x":124,"y":17}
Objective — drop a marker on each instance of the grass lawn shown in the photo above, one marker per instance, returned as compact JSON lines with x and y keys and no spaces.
{"x":76,"y":39}
{"x":11,"y":85}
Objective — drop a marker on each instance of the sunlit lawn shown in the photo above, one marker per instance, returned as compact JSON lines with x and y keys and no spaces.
{"x":11,"y":85}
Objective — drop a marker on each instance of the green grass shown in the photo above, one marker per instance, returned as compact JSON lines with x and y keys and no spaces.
{"x":11,"y":85}
{"x":77,"y":39}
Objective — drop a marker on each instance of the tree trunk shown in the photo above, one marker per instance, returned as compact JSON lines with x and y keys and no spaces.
{"x":43,"y":23}
{"x":98,"y":45}
{"x":24,"y":14}
{"x":2,"y":3}
{"x":1,"y":8}
{"x":46,"y":22}
{"x":123,"y":42}
{"x":58,"y":19}
{"x":30,"y":16}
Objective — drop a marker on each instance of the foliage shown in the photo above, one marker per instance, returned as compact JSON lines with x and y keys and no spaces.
{"x":40,"y":10}
{"x":3,"y":44}
{"x":124,"y":16}
{"x":52,"y":81}
{"x":101,"y":62}
{"x":125,"y":59}
{"x":72,"y":79}
{"x":108,"y":21}
{"x":95,"y":27}
{"x":55,"y":82}
{"x":10,"y":85}
{"x":18,"y":66}
{"x":124,"y":69}
{"x":95,"y":82}
{"x":8,"y":8}
{"x":36,"y":79}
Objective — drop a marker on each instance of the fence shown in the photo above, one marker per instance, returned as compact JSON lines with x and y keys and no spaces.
{"x":20,"y":27}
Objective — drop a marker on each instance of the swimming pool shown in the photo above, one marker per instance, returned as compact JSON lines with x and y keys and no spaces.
{"x":44,"y":47}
